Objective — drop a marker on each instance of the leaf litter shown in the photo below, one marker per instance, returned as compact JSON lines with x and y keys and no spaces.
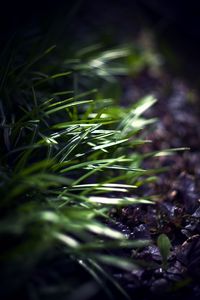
{"x":176,"y":215}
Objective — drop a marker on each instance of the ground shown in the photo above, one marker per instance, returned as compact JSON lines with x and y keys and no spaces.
{"x":177,"y":210}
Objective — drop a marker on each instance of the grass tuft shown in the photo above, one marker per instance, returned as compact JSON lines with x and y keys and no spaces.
{"x":68,"y":155}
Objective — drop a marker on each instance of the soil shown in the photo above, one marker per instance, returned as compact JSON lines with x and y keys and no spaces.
{"x":177,"y":209}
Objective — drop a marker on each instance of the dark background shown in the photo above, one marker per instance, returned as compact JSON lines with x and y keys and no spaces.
{"x":175,"y":23}
{"x":183,"y":16}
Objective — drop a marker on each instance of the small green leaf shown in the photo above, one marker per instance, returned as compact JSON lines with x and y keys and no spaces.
{"x":164,"y":246}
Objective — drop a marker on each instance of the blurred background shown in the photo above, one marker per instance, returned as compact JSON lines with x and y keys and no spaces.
{"x":175,"y":25}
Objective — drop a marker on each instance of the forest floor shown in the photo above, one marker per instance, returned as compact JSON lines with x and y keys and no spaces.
{"x":177,"y":211}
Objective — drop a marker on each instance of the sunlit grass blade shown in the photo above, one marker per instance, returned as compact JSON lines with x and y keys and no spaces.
{"x":62,"y":107}
{"x":93,"y":163}
{"x":122,"y":263}
{"x":119,"y":201}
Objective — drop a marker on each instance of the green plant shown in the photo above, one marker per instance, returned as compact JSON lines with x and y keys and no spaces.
{"x":68,"y":156}
{"x":164,"y":246}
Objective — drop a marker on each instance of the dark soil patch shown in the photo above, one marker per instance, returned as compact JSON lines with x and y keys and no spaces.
{"x":177,"y":212}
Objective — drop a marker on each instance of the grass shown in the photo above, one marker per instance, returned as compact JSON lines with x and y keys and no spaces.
{"x":69,"y":154}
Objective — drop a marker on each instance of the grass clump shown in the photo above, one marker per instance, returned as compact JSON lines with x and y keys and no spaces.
{"x":68,"y":155}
